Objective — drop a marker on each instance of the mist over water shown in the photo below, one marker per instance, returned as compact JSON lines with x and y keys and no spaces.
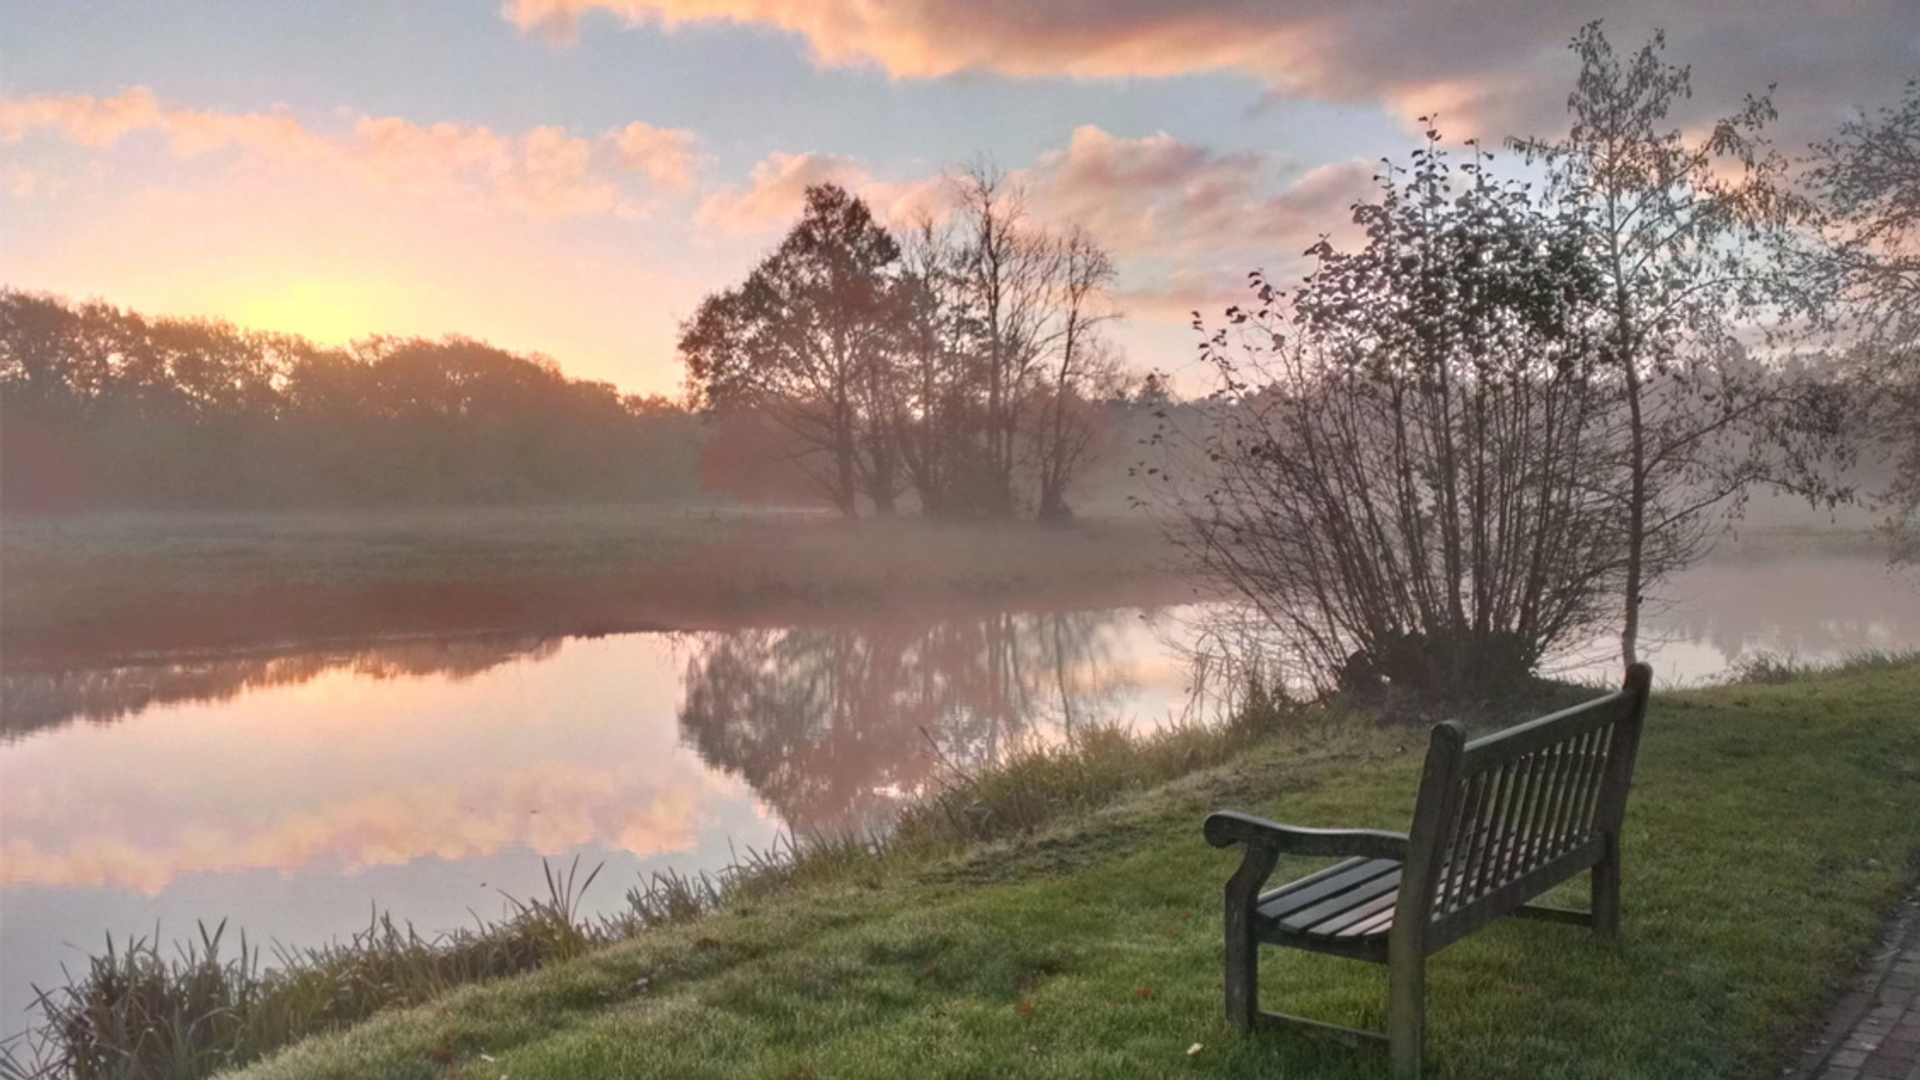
{"x":294,"y":792}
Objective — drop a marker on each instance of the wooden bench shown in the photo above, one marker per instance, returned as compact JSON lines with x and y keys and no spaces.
{"x":1499,"y":821}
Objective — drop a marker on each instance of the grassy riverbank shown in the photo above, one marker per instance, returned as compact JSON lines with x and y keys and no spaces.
{"x":1770,"y":829}
{"x":95,"y":587}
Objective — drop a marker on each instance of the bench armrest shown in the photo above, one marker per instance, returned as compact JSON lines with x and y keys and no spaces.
{"x":1226,"y":828}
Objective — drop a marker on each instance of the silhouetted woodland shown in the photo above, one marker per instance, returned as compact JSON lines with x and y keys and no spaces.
{"x":101,"y":407}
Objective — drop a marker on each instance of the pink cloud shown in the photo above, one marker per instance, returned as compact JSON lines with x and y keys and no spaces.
{"x":1162,"y":197}
{"x":84,"y":120}
{"x":1186,"y":223}
{"x":1176,"y":298}
{"x":543,"y":173}
{"x":1152,"y":196}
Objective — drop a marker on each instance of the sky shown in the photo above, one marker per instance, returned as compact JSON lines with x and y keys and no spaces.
{"x":570,"y":177}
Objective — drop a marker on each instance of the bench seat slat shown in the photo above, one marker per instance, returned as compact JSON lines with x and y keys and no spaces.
{"x":1335,"y":879}
{"x":1369,"y":911}
{"x":1335,"y":901}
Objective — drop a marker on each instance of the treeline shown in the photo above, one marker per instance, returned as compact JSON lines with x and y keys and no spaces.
{"x":956,"y":366}
{"x":102,"y":407}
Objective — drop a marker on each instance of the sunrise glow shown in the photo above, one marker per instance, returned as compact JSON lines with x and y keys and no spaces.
{"x":331,"y":313}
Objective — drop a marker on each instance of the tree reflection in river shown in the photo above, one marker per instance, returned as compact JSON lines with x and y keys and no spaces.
{"x":837,"y":726}
{"x":36,"y":700}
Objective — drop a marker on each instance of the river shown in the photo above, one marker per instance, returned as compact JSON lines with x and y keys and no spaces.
{"x":295,"y":793}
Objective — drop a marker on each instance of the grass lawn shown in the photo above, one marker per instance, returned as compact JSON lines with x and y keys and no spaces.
{"x":1770,"y":829}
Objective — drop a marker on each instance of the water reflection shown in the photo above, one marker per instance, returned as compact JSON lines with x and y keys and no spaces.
{"x":1800,"y":607}
{"x":37,"y":700}
{"x":289,"y":792}
{"x":1720,"y":613}
{"x":836,"y":727}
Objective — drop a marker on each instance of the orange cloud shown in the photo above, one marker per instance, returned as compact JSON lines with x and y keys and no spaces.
{"x":934,"y":39}
{"x":777,"y":187}
{"x":1496,"y":68}
{"x":85,"y":120}
{"x":664,"y":154}
{"x":775,"y":191}
{"x":543,"y":173}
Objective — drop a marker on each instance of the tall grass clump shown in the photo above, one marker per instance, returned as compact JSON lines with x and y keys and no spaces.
{"x":138,"y":1012}
{"x":1038,"y":785}
{"x":1772,"y":669}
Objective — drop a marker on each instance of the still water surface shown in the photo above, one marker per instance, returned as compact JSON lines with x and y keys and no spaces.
{"x":293,"y":794}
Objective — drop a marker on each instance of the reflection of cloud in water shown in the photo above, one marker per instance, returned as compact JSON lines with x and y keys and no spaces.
{"x":836,"y":727}
{"x":347,"y":767}
{"x":35,"y":700}
{"x":549,"y":809}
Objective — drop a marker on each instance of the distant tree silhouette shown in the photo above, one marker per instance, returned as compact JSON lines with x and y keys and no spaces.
{"x":961,"y":361}
{"x":104,"y":407}
{"x":806,"y":340}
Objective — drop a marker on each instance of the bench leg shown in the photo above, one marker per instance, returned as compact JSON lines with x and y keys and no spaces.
{"x":1406,"y":1015}
{"x":1606,"y":891}
{"x":1243,"y":978}
{"x":1243,"y":946}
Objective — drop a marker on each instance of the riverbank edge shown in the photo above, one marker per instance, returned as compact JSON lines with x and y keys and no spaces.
{"x":607,"y":1013}
{"x":110,"y":591}
{"x":88,"y":591}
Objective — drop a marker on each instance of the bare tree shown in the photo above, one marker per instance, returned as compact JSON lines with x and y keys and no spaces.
{"x":935,"y":428}
{"x":1008,"y":272}
{"x":1082,"y":367}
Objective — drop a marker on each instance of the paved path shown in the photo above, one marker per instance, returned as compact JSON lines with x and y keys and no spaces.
{"x":1875,"y":1033}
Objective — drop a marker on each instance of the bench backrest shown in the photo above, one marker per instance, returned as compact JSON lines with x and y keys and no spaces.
{"x":1505,"y":817}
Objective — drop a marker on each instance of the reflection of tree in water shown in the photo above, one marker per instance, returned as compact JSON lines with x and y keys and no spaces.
{"x":826,"y":723}
{"x":33,"y":700}
{"x":1810,"y":607}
